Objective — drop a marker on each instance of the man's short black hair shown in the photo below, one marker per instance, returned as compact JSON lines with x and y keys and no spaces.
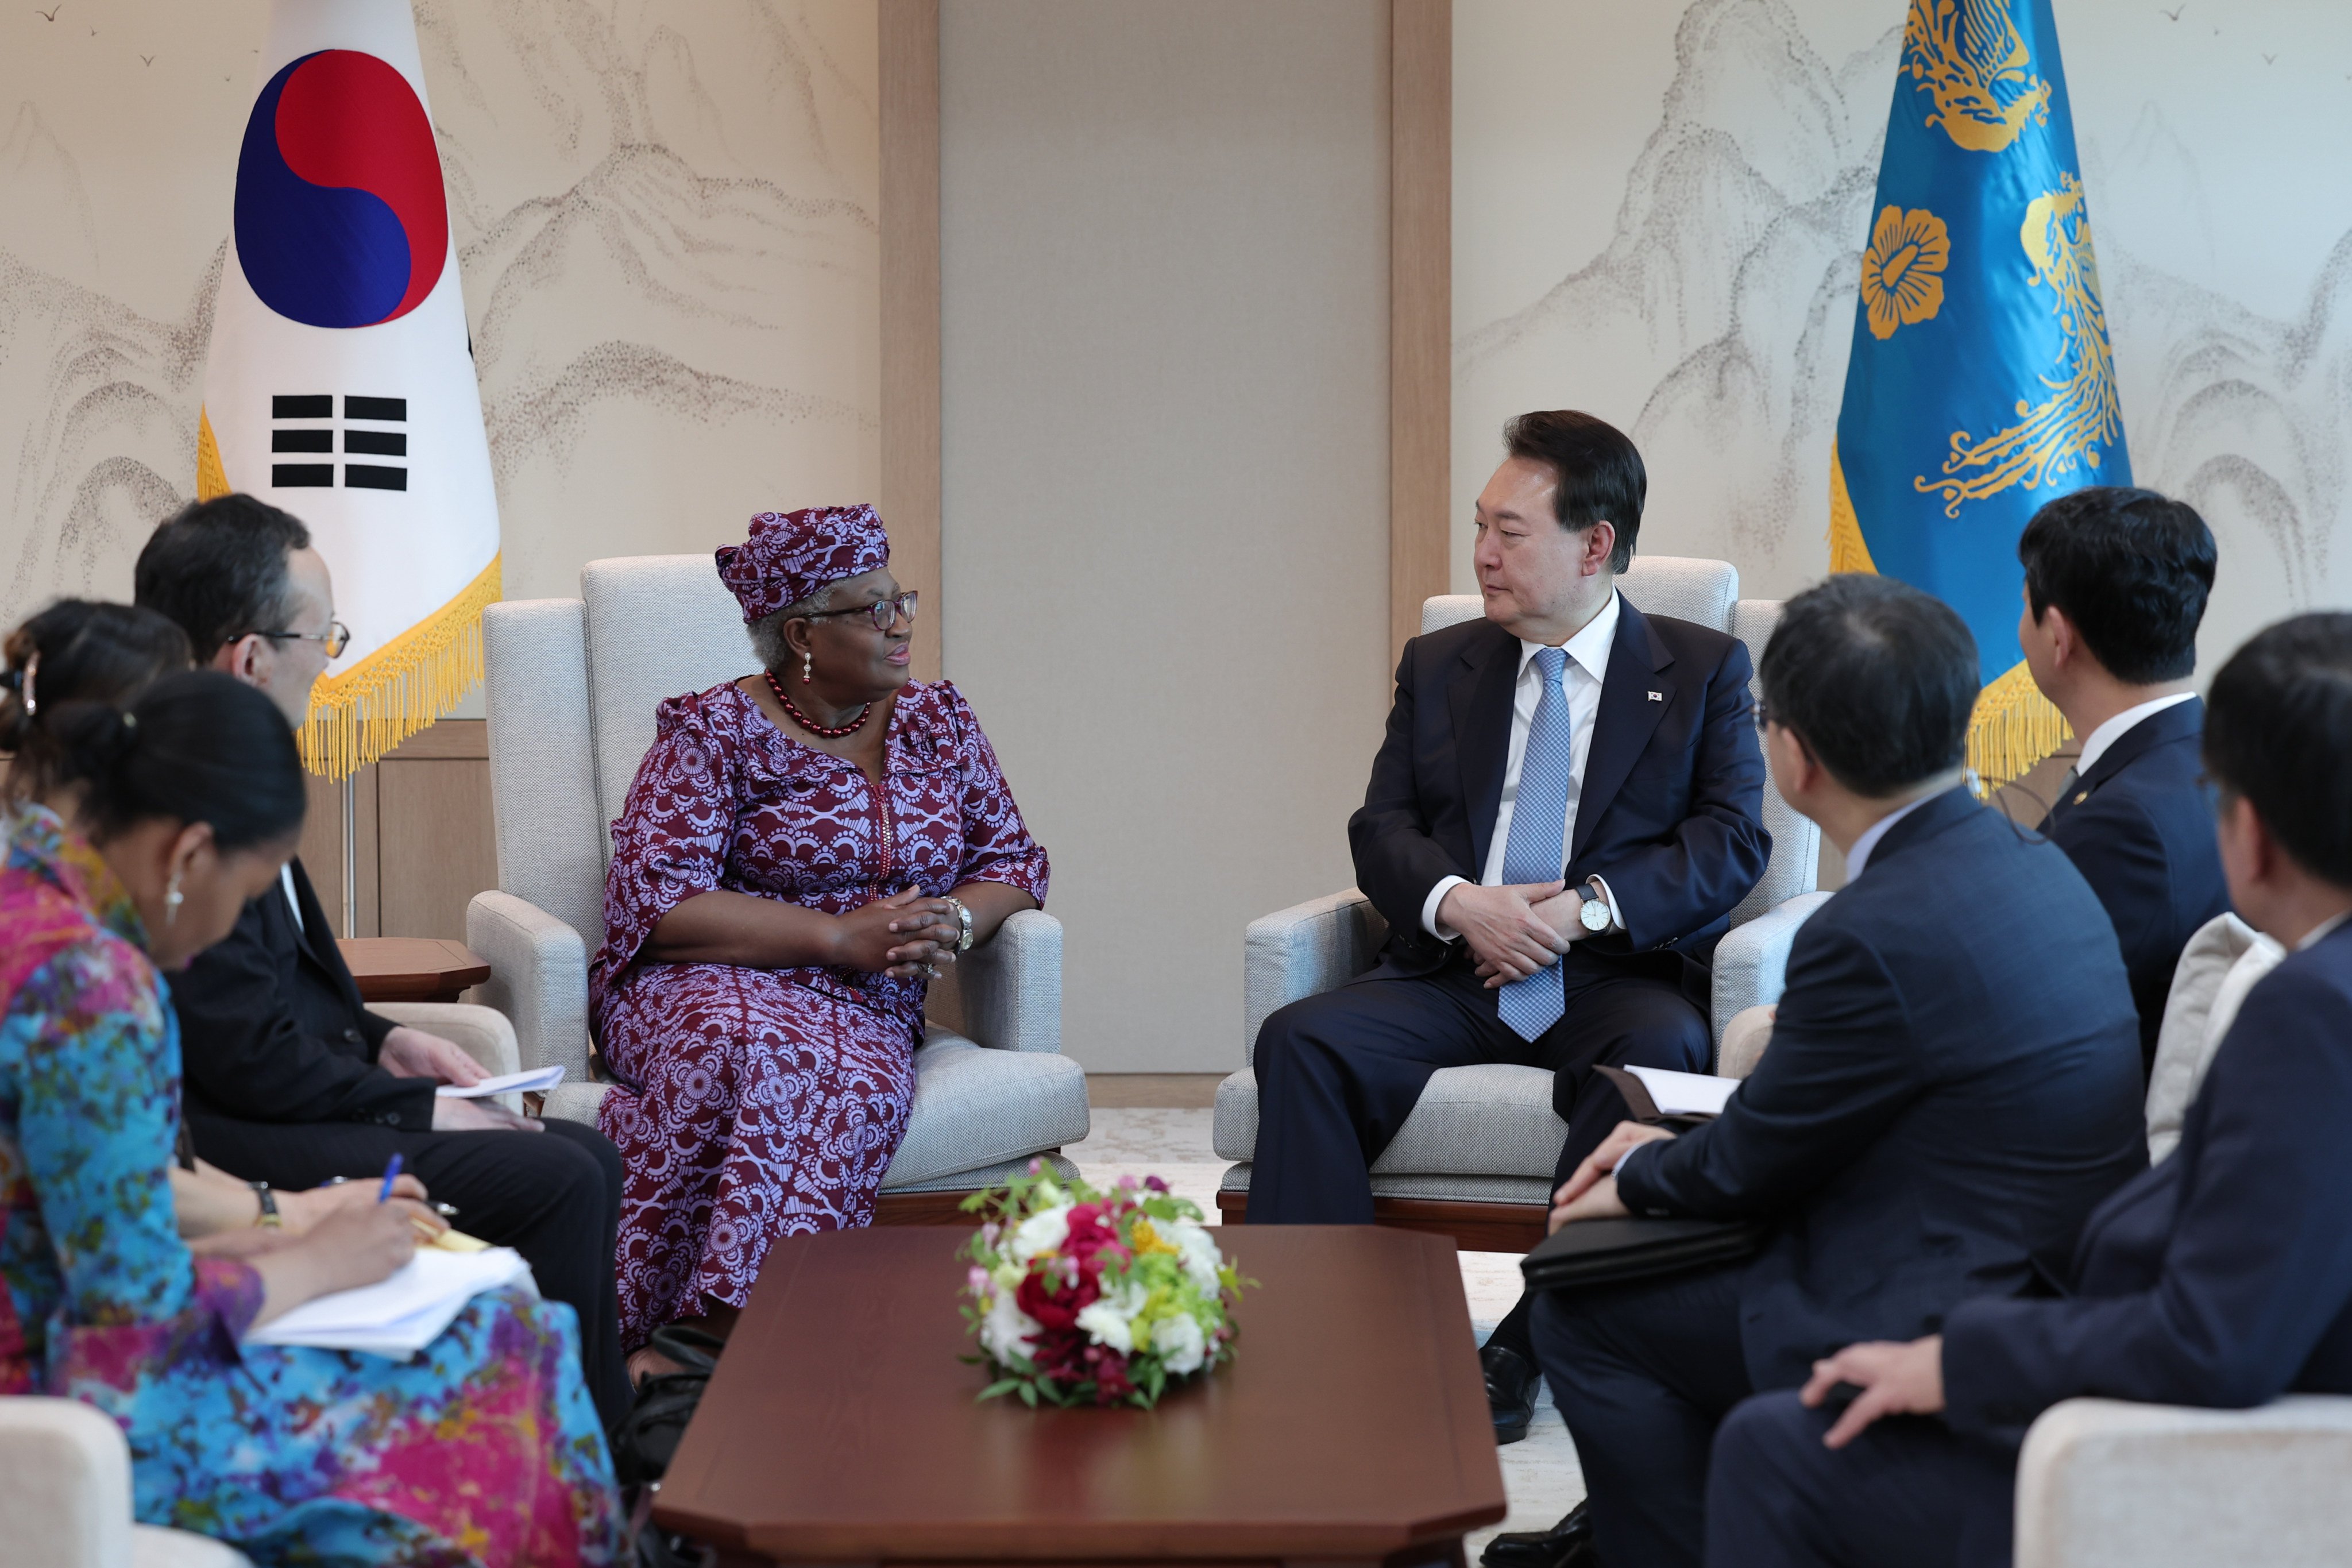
{"x":219,"y":570}
{"x":2132,"y":570}
{"x":1876,"y":677}
{"x":2278,"y":730}
{"x":1601,"y":474}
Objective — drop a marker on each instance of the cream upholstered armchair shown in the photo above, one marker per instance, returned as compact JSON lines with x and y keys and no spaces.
{"x":1475,"y":1159}
{"x":572,"y":688}
{"x":65,"y":1495}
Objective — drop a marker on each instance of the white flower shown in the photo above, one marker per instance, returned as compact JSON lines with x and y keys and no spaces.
{"x":1110,"y":1320}
{"x":1042,"y":1232}
{"x":1181,"y":1345}
{"x":1008,"y":1332}
{"x":1199,"y":1253}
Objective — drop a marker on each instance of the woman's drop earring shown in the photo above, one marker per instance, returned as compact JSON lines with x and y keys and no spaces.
{"x":808,"y":667}
{"x":172,"y":899}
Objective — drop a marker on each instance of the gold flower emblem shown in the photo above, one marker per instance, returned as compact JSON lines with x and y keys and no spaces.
{"x":1903,"y":270}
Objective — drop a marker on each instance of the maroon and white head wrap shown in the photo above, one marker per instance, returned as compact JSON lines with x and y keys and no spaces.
{"x":792,"y":554}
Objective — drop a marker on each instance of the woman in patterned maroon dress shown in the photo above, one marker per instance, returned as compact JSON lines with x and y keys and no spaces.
{"x":801,"y":850}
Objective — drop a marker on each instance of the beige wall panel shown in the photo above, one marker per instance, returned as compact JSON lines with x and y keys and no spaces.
{"x":438,"y":846}
{"x":1166,"y":520}
{"x":909,"y":495}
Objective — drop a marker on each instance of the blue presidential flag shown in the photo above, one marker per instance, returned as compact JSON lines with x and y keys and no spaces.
{"x":1981,"y":382}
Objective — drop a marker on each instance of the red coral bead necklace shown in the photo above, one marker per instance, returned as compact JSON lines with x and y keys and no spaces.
{"x":831,"y":732}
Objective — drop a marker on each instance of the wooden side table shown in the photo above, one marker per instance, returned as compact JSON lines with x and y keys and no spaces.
{"x":1350,"y":1432}
{"x":412,"y":968}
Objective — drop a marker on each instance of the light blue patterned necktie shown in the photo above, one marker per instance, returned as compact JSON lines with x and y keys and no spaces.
{"x":1534,"y":852}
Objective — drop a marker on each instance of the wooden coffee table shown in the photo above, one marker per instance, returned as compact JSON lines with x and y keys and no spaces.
{"x":840,"y":1428}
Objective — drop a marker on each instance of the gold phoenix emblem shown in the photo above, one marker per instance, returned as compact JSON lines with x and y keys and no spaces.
{"x":1968,"y":57}
{"x":2081,"y":413}
{"x":1903,"y":270}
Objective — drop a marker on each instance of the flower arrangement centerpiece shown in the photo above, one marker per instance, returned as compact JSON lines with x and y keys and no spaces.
{"x":1082,"y":1296}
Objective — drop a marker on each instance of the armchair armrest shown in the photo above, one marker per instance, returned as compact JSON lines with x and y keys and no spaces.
{"x":2106,"y":1484}
{"x":1751,"y":962}
{"x":65,"y":1484}
{"x":1302,"y":952}
{"x":482,"y":1033}
{"x":538,"y":979}
{"x":1006,"y":994}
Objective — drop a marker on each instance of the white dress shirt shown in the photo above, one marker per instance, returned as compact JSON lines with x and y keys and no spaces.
{"x":286,"y":880}
{"x":2322,"y":932}
{"x":1581,"y":681}
{"x":2095,"y":746}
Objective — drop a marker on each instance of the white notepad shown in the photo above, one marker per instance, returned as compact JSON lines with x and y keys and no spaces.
{"x":1686,"y":1093}
{"x":538,"y":1080}
{"x":399,"y":1315}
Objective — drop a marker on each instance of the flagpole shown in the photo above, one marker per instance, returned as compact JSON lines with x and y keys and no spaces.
{"x":351,"y":854}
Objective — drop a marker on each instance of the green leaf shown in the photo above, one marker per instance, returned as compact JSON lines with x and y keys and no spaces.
{"x":1002,"y":1385}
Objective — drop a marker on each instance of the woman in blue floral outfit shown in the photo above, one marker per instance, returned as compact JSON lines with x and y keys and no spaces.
{"x":484,"y":1449}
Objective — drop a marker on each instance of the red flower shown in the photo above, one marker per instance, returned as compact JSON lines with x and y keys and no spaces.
{"x":1053,"y":1302}
{"x":1092,"y":1236}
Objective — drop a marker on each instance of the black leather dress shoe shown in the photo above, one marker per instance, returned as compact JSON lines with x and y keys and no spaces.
{"x":1568,"y":1544}
{"x":1510,"y":1391}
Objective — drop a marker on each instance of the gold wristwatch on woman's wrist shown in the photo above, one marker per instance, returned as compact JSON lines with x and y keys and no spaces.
{"x":964,"y":922}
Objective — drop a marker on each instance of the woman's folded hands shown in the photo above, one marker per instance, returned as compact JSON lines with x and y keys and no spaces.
{"x":898,"y":934}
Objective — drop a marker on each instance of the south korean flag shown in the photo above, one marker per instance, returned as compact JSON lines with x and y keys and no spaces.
{"x":339,"y":383}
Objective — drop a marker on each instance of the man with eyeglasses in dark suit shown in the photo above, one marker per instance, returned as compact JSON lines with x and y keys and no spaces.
{"x":288,"y":1079}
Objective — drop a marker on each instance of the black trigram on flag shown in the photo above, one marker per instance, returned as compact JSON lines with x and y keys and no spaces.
{"x":292,"y":431}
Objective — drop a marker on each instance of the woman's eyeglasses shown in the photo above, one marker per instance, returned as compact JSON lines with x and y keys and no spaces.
{"x":335,"y":638}
{"x":883,"y":612}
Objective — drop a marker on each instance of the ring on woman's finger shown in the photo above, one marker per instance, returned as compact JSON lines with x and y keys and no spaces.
{"x":931,"y":970}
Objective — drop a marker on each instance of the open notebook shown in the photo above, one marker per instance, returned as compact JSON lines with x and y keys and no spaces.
{"x":399,"y":1315}
{"x":530,"y":1080}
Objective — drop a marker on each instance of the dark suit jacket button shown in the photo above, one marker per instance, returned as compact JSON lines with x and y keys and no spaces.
{"x":353,"y":1036}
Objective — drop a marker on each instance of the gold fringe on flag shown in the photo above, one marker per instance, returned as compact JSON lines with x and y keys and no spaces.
{"x":212,"y":480}
{"x":2014,"y":727}
{"x":1848,"y":551}
{"x":401,"y":687}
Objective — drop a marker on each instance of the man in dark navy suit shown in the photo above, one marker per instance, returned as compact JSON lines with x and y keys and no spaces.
{"x":2223,"y":1277}
{"x":1566,"y":809}
{"x":1953,"y":1080}
{"x":289,"y":1080}
{"x":2115,"y":582}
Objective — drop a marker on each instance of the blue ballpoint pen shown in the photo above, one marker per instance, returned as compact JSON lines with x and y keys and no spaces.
{"x":391,"y":1174}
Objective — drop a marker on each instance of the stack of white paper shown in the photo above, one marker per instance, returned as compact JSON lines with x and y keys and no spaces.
{"x":399,"y":1315}
{"x":1686,"y":1093}
{"x":537,"y":1081}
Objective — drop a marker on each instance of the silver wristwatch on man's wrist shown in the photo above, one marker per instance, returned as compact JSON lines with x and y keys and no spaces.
{"x":1594,"y":914}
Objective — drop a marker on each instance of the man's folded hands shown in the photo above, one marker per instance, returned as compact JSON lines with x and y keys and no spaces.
{"x":1508,"y":933}
{"x":1591,"y":1190}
